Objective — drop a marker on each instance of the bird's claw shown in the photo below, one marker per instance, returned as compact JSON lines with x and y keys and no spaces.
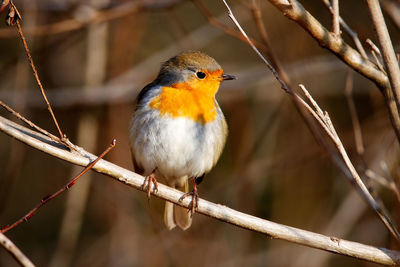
{"x":195,"y":200}
{"x":148,"y":180}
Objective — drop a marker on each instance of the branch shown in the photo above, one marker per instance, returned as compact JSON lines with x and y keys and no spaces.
{"x":217,"y":211}
{"x":218,"y":24}
{"x":296,"y":12}
{"x":35,"y":74}
{"x":389,"y":57}
{"x":349,"y":31}
{"x":14,"y":251}
{"x":375,"y":53}
{"x":335,"y":18}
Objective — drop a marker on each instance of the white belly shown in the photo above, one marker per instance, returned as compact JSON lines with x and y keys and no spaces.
{"x":176,"y":147}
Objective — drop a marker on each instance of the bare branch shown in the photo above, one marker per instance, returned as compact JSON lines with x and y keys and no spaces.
{"x":389,"y":57}
{"x":335,"y":17}
{"x":352,"y":33}
{"x":30,"y":59}
{"x":270,"y":67}
{"x":31,"y":124}
{"x":15,"y":251}
{"x":358,"y":139}
{"x":387,"y":182}
{"x":217,"y":211}
{"x":218,"y":24}
{"x":374,"y":47}
{"x":255,"y":10}
{"x":375,"y":51}
{"x":296,"y":12}
{"x":350,"y":170}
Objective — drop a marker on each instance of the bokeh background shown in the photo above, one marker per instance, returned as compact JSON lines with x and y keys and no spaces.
{"x":93,"y":58}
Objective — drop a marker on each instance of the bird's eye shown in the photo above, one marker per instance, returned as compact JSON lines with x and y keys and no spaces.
{"x":200,"y":75}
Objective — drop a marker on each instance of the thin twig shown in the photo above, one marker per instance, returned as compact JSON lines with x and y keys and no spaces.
{"x":384,"y":181}
{"x":390,"y":179}
{"x":28,"y":53}
{"x":17,"y":254}
{"x":368,"y":173}
{"x":217,"y":211}
{"x":31,"y":124}
{"x":375,"y":50}
{"x":87,"y":136}
{"x":270,"y":67}
{"x":374,"y":47}
{"x":255,"y":10}
{"x":335,"y":17}
{"x":218,"y":24}
{"x":349,"y":31}
{"x":61,"y":190}
{"x":377,"y":61}
{"x":65,"y":142}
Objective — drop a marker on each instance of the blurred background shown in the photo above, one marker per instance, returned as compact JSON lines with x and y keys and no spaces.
{"x":93,"y":58}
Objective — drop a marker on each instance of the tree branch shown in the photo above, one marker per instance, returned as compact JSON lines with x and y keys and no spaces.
{"x":217,"y":211}
{"x":349,"y":31}
{"x":389,"y":57}
{"x":335,"y":18}
{"x":15,"y":251}
{"x":295,"y":11}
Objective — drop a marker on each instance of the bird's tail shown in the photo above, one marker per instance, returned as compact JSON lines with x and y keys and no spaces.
{"x":176,"y":215}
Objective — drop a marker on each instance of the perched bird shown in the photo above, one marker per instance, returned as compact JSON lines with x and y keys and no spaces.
{"x":178,"y":130}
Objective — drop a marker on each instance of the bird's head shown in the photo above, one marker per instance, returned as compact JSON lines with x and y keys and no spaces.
{"x":193,"y":70}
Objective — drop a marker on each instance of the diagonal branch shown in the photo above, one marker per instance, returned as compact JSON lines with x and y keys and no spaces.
{"x":295,"y":11}
{"x":218,"y":24}
{"x":35,"y":74}
{"x":217,"y":211}
{"x":17,"y":254}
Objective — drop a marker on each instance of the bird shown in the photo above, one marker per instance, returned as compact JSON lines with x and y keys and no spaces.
{"x":178,"y":130}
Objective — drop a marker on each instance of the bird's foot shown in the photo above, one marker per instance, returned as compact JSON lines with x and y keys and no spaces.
{"x":195,"y":198}
{"x":150,"y":179}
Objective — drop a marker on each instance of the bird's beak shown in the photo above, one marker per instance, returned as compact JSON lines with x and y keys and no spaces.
{"x":225,"y":77}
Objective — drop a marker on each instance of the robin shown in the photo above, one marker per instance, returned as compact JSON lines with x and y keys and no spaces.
{"x":178,"y":130}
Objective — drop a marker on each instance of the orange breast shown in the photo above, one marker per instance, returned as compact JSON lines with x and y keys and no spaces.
{"x":183,"y":100}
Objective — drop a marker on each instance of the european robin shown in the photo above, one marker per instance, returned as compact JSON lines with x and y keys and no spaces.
{"x":178,"y":130}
